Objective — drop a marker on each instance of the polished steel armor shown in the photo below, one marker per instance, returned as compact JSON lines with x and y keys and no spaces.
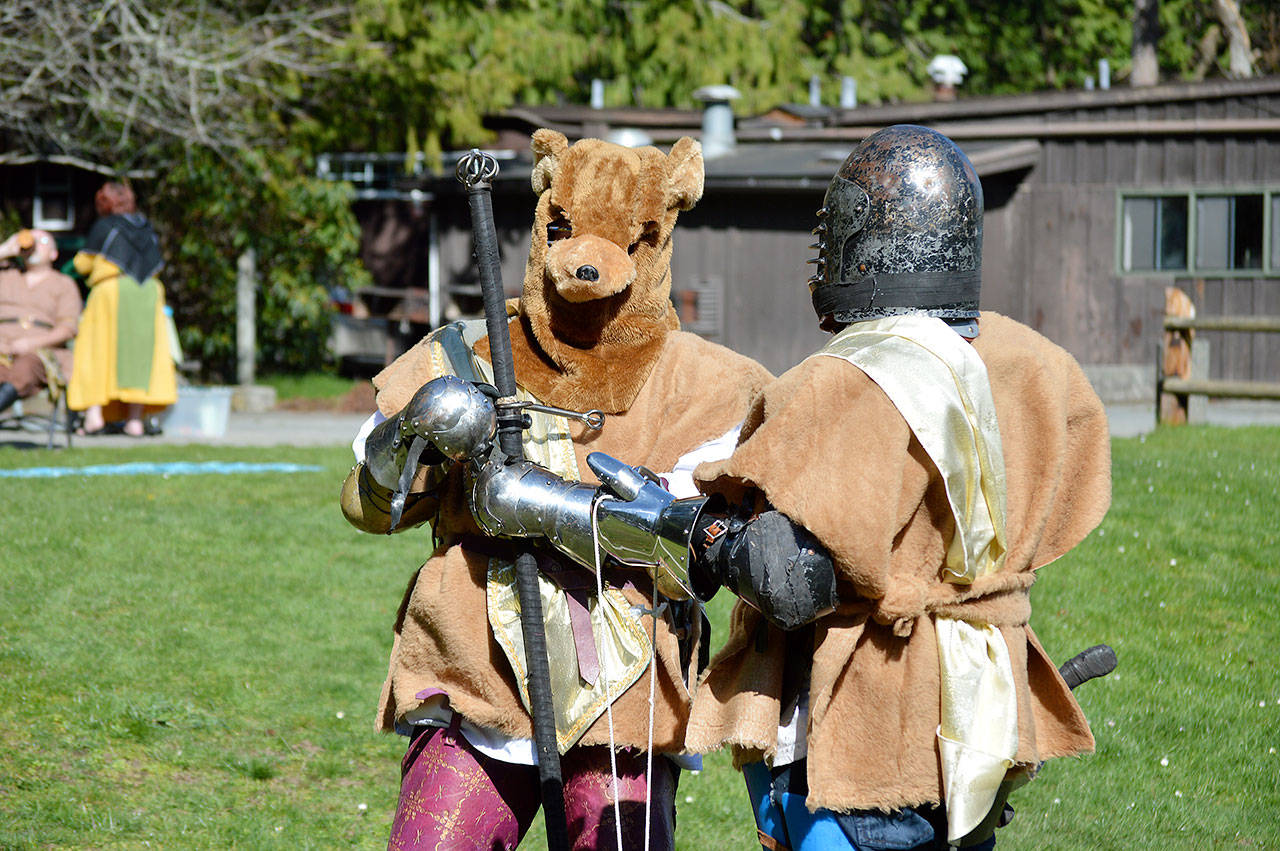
{"x":454,"y":415}
{"x":637,"y":522}
{"x":900,"y":231}
{"x":449,"y":413}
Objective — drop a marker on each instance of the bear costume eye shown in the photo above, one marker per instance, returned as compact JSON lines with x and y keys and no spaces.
{"x":649,"y":237}
{"x":558,"y":227}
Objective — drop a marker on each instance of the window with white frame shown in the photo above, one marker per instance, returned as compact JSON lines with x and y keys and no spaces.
{"x":1212,"y":232}
{"x":52,"y":205}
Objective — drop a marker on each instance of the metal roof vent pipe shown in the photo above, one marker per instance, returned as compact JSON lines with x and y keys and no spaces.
{"x":815,"y":91}
{"x":629,"y":137}
{"x":717,"y":119}
{"x":947,"y":72}
{"x":848,"y":93}
{"x":597,"y":94}
{"x":1104,"y":74}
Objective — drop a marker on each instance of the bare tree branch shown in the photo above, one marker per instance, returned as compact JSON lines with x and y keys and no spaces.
{"x":116,"y":81}
{"x":1239,"y":51}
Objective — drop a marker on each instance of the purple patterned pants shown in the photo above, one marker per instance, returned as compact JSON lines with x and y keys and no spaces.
{"x":454,"y":797}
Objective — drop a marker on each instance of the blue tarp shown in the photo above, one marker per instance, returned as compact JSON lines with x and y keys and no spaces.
{"x":176,"y":468}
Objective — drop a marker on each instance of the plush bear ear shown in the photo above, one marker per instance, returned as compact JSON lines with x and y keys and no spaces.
{"x":684,"y":168}
{"x":548,"y":145}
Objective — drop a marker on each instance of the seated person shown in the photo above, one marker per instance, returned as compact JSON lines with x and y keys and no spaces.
{"x":39,"y":310}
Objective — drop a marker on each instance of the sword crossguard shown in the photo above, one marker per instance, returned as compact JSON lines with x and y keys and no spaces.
{"x":476,"y":168}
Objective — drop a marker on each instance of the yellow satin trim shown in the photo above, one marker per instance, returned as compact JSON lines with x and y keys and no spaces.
{"x":978,"y":736}
{"x":622,"y":644}
{"x":940,"y":386}
{"x":622,"y":647}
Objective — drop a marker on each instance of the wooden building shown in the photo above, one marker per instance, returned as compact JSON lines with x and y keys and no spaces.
{"x":1095,"y":202}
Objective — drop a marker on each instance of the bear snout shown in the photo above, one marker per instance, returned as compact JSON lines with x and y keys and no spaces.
{"x":588,"y":267}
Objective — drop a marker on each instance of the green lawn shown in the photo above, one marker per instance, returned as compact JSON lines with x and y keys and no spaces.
{"x":193,"y":661}
{"x":310,"y":385}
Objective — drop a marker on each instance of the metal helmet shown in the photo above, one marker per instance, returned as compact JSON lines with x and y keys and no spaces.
{"x":900,"y":231}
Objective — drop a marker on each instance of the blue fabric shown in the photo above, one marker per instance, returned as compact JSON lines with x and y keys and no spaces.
{"x":176,"y":468}
{"x":769,"y":820}
{"x":778,"y":803}
{"x":901,"y":829}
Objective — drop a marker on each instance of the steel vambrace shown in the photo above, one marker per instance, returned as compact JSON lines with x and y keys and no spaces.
{"x":775,"y":566}
{"x":638,"y":523}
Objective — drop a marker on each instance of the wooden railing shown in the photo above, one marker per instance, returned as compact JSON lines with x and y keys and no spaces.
{"x":1180,"y":331}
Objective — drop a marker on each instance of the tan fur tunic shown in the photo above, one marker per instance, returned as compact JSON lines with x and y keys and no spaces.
{"x":696,"y":391}
{"x":826,"y":447}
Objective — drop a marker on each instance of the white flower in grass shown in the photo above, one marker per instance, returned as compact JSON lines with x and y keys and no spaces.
{"x":1177,"y":793}
{"x":1120,"y":548}
{"x":1164,"y":761}
{"x":1173,"y":562}
{"x":362,"y":807}
{"x":340,"y":715}
{"x":1262,"y":703}
{"x":688,"y":799}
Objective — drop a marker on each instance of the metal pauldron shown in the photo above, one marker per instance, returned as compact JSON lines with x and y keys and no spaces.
{"x":449,"y":413}
{"x":638,"y":523}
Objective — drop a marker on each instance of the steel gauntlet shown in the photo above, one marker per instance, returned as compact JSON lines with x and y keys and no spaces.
{"x":637,"y":521}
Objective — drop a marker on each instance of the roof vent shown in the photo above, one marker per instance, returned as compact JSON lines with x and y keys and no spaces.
{"x":629,"y":137}
{"x":717,"y":119}
{"x":848,"y":93}
{"x":947,"y":72}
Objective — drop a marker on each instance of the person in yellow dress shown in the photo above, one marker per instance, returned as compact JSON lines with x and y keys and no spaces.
{"x":123,"y":368}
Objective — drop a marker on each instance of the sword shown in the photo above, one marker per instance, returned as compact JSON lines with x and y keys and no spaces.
{"x":476,"y":171}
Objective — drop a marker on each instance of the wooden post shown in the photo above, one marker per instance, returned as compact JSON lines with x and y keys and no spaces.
{"x":1176,"y":356}
{"x":246,"y":328}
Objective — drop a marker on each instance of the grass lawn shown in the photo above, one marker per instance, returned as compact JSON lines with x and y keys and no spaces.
{"x":193,"y":661}
{"x":310,"y":385}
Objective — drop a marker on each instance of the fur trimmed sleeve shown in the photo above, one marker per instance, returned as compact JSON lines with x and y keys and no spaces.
{"x":399,"y":380}
{"x":1057,"y":443}
{"x":826,"y":447}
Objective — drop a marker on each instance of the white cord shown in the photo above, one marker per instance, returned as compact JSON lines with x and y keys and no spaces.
{"x":613,"y":758}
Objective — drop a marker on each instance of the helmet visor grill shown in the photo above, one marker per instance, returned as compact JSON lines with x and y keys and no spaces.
{"x":847,"y":206}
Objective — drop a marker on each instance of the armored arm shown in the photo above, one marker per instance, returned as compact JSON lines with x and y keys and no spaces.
{"x":776,"y":566}
{"x":636,"y":521}
{"x":447,"y":420}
